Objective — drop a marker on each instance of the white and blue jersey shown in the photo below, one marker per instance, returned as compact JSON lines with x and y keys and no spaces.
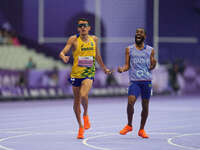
{"x":140,"y":63}
{"x":140,"y":75}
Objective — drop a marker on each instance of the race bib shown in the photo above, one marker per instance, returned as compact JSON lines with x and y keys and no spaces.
{"x":85,"y":61}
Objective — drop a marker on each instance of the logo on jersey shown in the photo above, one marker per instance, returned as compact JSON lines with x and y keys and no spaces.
{"x":87,"y":49}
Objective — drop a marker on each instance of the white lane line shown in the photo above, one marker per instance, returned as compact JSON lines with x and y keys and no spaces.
{"x":17,"y":136}
{"x":5,"y":148}
{"x":11,"y":137}
{"x":111,"y":134}
{"x":93,"y":137}
{"x":170,"y":141}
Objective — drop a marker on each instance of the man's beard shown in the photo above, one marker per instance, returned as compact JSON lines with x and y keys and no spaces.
{"x":139,"y":42}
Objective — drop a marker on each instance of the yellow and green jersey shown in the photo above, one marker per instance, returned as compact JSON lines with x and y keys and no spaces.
{"x":84,"y":59}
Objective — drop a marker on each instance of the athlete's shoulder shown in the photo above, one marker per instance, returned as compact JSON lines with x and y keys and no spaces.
{"x":71,"y":40}
{"x":149,"y":47}
{"x":73,"y":37}
{"x":94,"y":37}
{"x":130,"y":46}
{"x":129,"y":49}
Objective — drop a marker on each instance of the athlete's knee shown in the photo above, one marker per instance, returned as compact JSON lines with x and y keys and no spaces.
{"x":131,"y":100}
{"x":77,"y":101}
{"x":84,"y":96}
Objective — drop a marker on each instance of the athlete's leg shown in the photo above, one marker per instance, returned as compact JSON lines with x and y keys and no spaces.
{"x":85,"y":88}
{"x":130,"y":108}
{"x":133,"y":93}
{"x":145,"y":93}
{"x":77,"y":110}
{"x":130,"y":111}
{"x":77,"y":102}
{"x":145,"y":112}
{"x":144,"y":115}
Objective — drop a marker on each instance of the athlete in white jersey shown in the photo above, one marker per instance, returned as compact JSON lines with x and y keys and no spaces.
{"x":139,"y":60}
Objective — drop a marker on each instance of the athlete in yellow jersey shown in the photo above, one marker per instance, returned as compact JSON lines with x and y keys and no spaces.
{"x":84,"y":58}
{"x":85,"y":51}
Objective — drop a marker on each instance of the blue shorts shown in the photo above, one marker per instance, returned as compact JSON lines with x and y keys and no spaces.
{"x":140,"y":87}
{"x":77,"y":81}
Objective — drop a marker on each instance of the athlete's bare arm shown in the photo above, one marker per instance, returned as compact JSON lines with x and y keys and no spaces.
{"x":67,"y":48}
{"x":127,"y":62}
{"x":153,"y":60}
{"x":98,"y":57}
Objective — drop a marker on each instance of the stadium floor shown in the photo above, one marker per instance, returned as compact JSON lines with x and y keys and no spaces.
{"x":173,"y":124}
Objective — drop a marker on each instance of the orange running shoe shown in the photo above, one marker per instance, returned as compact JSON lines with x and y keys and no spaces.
{"x":86,"y":122}
{"x":126,"y":129}
{"x":142,"y":133}
{"x":80,"y":133}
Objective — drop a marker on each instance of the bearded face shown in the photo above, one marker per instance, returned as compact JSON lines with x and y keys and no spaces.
{"x":140,"y":36}
{"x":139,"y":39}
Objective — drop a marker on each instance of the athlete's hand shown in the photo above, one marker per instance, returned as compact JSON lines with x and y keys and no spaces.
{"x":65,"y":59}
{"x":120,"y":69}
{"x":107,"y":71}
{"x":153,"y":64}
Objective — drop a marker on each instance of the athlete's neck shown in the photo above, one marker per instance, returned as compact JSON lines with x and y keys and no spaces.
{"x":84,"y":38}
{"x":139,"y":46}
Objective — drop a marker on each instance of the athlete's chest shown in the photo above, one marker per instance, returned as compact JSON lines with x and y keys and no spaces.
{"x":84,"y":46}
{"x":139,"y":57}
{"x":139,"y":54}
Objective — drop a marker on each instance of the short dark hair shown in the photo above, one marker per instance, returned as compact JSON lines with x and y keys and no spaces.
{"x":143,"y":30}
{"x":82,"y":19}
